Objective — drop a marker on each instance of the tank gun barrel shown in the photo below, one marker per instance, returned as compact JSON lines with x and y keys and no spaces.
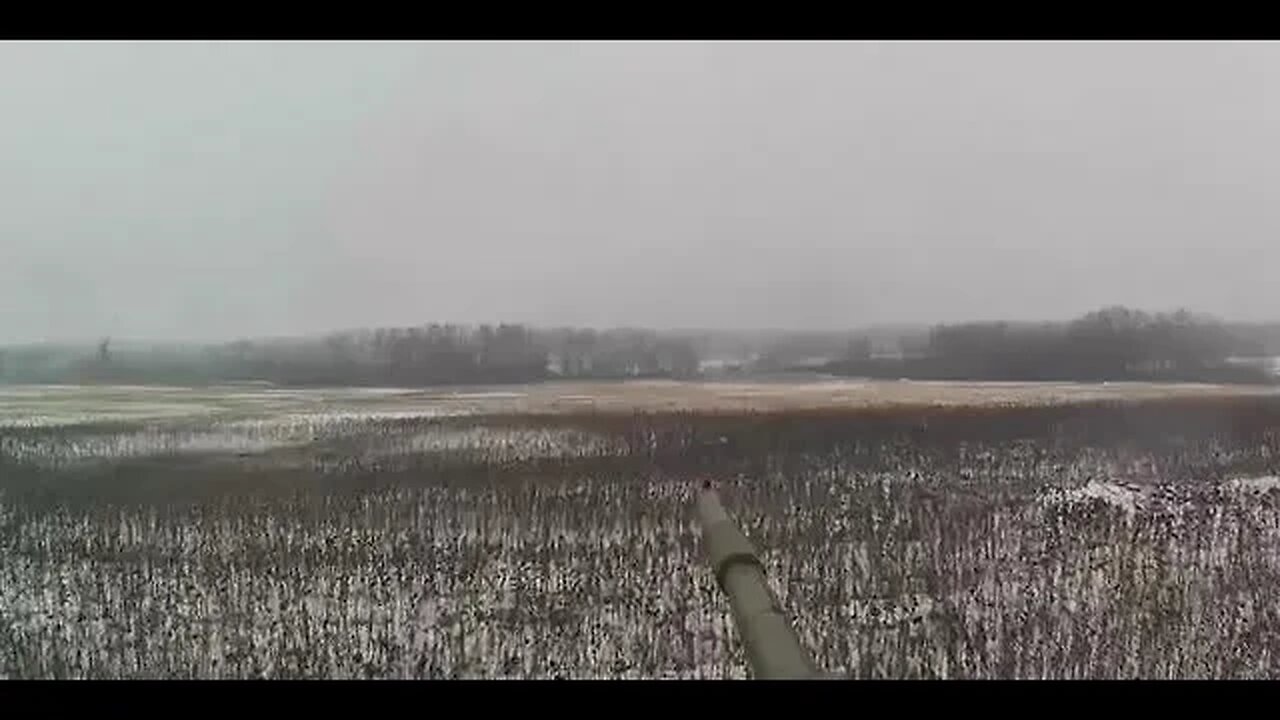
{"x":773,"y":649}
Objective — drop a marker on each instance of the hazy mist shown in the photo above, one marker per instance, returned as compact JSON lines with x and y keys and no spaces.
{"x":215,"y":190}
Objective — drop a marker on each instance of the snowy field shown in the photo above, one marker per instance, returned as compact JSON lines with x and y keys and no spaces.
{"x":545,"y":531}
{"x":56,"y":426}
{"x":27,"y":405}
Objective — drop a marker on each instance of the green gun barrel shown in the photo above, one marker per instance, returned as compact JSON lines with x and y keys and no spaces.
{"x":772,"y":646}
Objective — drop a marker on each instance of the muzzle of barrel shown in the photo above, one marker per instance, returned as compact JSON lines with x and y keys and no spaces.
{"x":773,"y":649}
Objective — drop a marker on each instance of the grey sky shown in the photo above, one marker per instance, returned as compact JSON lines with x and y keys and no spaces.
{"x":211,"y":190}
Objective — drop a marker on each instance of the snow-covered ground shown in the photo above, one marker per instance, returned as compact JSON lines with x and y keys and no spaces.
{"x":376,"y":441}
{"x":45,"y":405}
{"x":1128,"y":498}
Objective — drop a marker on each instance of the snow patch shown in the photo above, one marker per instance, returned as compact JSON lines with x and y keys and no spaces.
{"x":891,"y":612}
{"x":1126,"y":498}
{"x":1255,"y":485}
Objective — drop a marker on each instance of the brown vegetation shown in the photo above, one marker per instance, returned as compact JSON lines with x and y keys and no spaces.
{"x":909,"y":542}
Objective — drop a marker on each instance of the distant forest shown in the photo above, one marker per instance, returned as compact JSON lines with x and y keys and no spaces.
{"x":1113,"y":343}
{"x":394,"y":357}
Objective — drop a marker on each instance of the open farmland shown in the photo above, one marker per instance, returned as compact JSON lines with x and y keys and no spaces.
{"x":57,"y":405}
{"x":912,"y":529}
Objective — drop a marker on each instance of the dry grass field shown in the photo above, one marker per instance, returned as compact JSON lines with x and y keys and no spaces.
{"x":912,"y":529}
{"x":71,"y":404}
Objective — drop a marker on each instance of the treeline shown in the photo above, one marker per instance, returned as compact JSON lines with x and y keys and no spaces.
{"x":401,"y":357}
{"x":1115,"y":343}
{"x":1263,"y":338}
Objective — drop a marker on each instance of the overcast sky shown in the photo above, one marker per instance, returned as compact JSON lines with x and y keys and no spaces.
{"x":215,"y":190}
